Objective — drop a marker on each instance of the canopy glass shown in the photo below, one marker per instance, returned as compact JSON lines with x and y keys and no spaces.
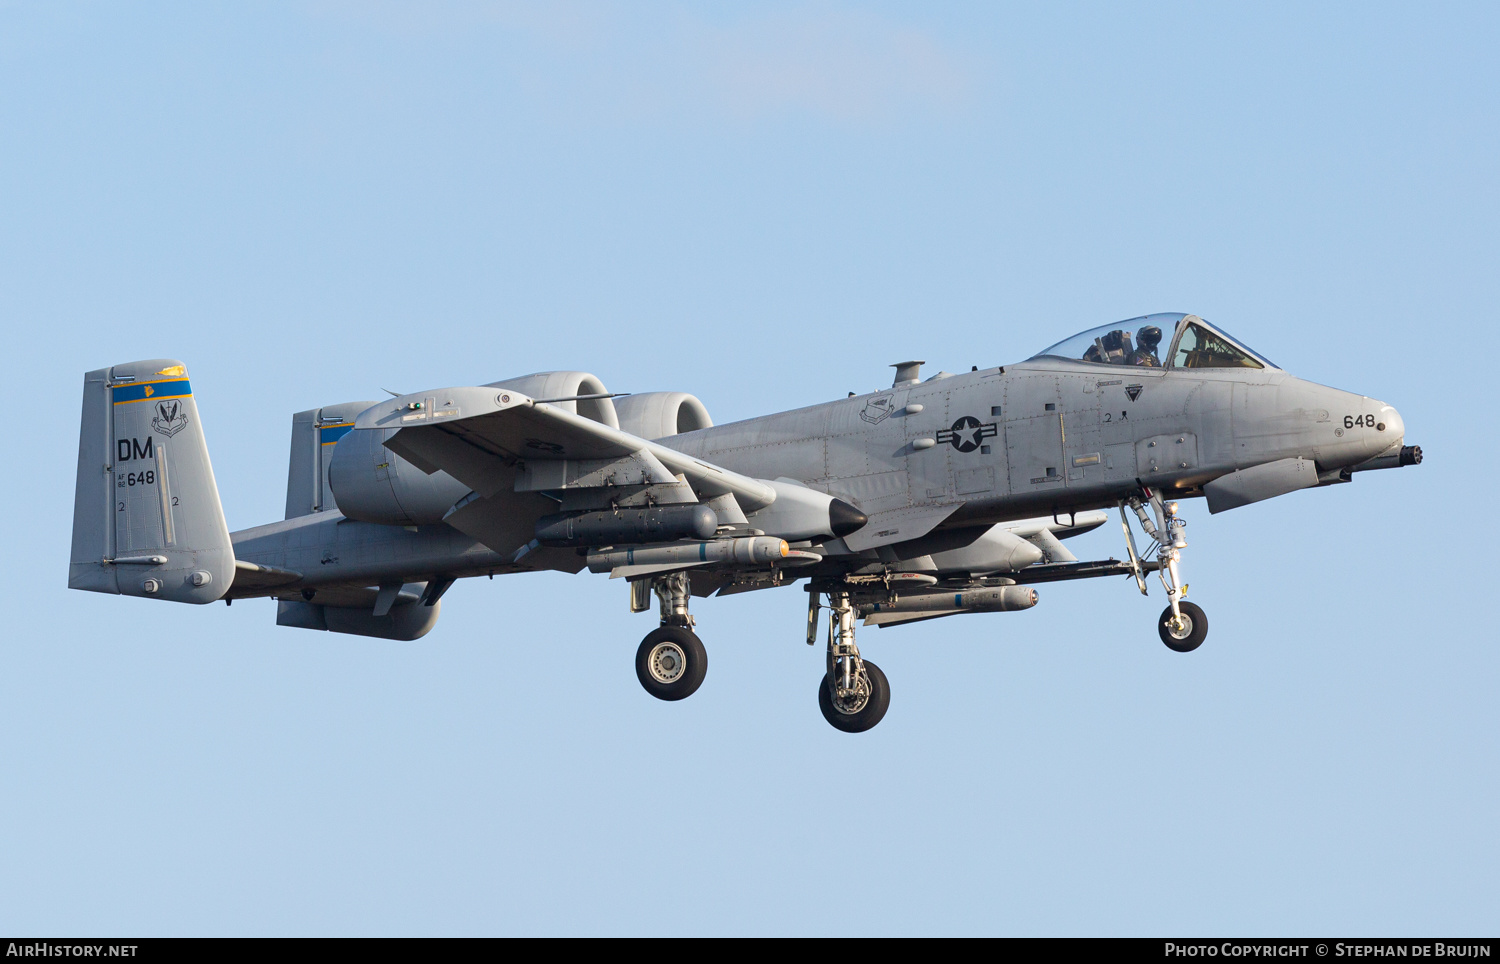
{"x":1166,"y":340}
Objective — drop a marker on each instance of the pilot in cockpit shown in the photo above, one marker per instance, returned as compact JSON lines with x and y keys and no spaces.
{"x":1145,"y":354}
{"x":1111,"y":349}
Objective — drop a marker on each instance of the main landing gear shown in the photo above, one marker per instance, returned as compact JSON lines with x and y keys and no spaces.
{"x":671,"y":661}
{"x":1182,"y":625}
{"x":853,"y":693}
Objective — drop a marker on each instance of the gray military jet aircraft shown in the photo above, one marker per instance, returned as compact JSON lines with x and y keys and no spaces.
{"x":929,"y":499}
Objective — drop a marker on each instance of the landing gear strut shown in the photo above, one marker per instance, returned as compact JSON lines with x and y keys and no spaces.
{"x":1183,"y":626}
{"x":671,"y":661}
{"x":853,"y":693}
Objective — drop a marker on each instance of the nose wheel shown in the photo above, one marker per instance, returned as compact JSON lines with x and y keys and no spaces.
{"x":1185,"y":630}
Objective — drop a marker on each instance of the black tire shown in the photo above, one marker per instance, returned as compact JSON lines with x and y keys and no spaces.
{"x":671,"y":663}
{"x":1197,"y":629}
{"x":872,"y":712}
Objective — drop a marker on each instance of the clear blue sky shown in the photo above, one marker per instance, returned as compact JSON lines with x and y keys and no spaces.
{"x":764,"y":205}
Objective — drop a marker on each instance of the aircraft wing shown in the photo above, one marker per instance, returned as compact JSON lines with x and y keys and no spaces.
{"x":494,"y":439}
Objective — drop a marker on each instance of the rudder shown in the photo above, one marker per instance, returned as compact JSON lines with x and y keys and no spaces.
{"x":146,"y":514}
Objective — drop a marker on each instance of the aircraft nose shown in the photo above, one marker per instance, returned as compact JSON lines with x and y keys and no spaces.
{"x":1387,"y":425}
{"x":1395,"y":427}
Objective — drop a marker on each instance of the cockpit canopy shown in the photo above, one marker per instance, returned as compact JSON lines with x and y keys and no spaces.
{"x":1166,"y":340}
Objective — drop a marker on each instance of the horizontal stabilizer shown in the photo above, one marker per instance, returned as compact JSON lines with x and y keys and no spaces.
{"x":253,"y":580}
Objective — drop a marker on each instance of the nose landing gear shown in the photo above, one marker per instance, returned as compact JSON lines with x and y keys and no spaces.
{"x":1184,"y":630}
{"x":1183,"y":626}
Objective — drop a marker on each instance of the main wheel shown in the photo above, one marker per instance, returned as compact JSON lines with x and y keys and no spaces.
{"x":863,"y":710}
{"x":1188,"y":636}
{"x":671,"y":663}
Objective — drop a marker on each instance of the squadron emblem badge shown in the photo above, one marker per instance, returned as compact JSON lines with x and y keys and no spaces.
{"x":169,"y":418}
{"x":877,"y":409}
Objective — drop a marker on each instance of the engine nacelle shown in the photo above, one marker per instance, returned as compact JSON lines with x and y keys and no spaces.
{"x":544,"y":385}
{"x":373,"y":484}
{"x":653,"y":415}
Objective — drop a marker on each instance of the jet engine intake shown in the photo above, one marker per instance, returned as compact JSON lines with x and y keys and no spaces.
{"x":653,"y":415}
{"x":543,"y":386}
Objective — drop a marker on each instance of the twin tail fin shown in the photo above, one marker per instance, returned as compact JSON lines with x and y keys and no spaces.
{"x":146,"y":514}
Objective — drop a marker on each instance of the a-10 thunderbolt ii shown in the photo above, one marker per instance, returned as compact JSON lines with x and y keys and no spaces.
{"x":931,"y":498}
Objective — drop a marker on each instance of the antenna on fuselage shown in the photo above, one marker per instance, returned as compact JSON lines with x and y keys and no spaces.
{"x":907,"y":373}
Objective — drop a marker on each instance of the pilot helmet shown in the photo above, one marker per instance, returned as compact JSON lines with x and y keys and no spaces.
{"x":1148,"y":337}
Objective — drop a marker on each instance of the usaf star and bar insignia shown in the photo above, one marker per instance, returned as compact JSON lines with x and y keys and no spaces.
{"x":967,"y":433}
